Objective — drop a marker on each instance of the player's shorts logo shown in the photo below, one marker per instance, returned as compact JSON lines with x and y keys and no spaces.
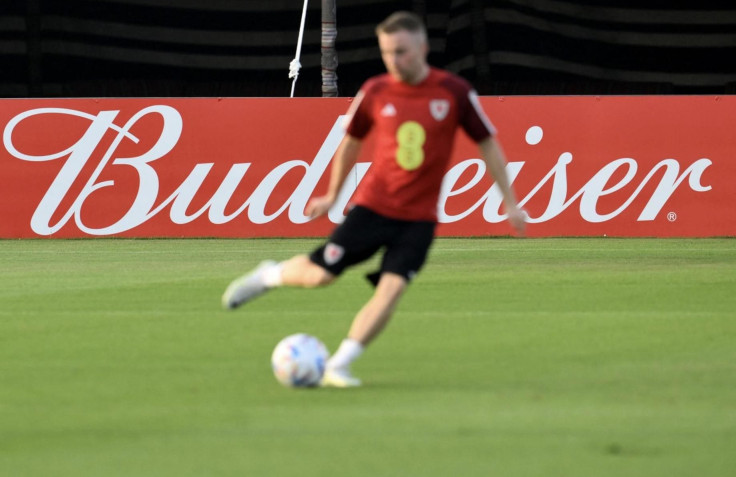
{"x":439,"y":108}
{"x":333,"y":253}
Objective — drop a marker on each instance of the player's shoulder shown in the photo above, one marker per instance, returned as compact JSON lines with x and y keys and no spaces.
{"x":456,"y":84}
{"x":375,"y":84}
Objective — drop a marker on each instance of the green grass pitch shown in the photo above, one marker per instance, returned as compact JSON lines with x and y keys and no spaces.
{"x":536,"y":357}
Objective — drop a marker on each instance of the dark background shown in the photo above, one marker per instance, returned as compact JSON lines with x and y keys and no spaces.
{"x":82,"y":48}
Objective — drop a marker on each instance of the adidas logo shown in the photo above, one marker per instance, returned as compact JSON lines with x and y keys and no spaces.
{"x":388,"y":110}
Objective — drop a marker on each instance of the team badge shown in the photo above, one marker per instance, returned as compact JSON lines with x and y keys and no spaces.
{"x":439,"y":108}
{"x":333,"y":253}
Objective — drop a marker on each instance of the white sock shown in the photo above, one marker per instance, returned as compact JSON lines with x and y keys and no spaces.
{"x":272,"y":275}
{"x":348,"y":352}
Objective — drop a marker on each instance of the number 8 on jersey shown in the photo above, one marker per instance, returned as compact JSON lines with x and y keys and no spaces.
{"x":410,"y":153}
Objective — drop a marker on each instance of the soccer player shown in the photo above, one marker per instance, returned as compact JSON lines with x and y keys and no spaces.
{"x":413,"y":111}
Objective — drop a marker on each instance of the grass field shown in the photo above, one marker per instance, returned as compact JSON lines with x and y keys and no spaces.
{"x":544,"y":357}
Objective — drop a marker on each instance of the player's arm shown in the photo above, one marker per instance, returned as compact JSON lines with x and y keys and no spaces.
{"x":345,"y":158}
{"x":495,"y":160}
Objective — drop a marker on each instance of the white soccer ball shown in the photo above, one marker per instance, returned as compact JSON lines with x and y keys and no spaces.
{"x":299,"y":360}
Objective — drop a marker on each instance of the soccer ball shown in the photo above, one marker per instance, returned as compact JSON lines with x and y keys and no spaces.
{"x":299,"y":360}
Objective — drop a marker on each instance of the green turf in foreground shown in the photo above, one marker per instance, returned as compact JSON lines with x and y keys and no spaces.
{"x":550,"y":357}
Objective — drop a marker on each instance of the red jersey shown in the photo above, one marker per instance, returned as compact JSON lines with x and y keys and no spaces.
{"x":414,"y":128}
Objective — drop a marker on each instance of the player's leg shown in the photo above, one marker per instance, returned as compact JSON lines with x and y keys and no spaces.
{"x":375,"y":315}
{"x":298,"y":271}
{"x":351,"y":242}
{"x":368,"y":323}
{"x":301,"y":271}
{"x":404,"y":257}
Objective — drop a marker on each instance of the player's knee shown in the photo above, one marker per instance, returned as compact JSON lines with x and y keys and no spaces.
{"x":317,"y":277}
{"x":391,"y":285}
{"x":301,"y":271}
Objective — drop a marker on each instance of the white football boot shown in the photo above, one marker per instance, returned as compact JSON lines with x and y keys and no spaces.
{"x":247,"y":287}
{"x":339,"y":378}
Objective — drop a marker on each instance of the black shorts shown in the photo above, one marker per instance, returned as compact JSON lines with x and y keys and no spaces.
{"x":364,"y":232}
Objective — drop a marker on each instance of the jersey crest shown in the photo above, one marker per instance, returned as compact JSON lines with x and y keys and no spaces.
{"x":439,"y":108}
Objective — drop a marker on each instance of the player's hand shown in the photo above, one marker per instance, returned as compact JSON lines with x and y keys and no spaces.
{"x":517,"y":219}
{"x":318,"y":206}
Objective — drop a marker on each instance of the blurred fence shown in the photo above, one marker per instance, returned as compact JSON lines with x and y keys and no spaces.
{"x":243,"y":48}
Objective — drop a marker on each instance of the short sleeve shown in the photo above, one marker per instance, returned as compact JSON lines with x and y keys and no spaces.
{"x":474,"y":120}
{"x":471,"y":116}
{"x":359,"y":119}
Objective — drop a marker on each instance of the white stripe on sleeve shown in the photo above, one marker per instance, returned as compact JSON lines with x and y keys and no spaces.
{"x":473,"y":97}
{"x":352,"y":109}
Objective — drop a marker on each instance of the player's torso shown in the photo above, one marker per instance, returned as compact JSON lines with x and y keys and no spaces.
{"x":414,"y":130}
{"x":414,"y":125}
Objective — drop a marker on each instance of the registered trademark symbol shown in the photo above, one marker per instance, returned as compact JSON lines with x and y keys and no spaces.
{"x":672,"y":216}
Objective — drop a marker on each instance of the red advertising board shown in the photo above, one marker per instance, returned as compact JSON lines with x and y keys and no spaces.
{"x":246,"y":167}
